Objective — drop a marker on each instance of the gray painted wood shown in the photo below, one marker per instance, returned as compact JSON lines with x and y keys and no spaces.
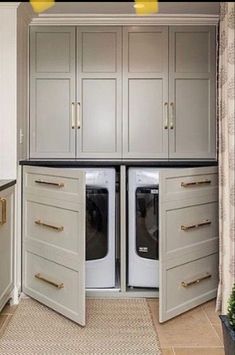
{"x":183,"y":254}
{"x":192,"y":89}
{"x":6,"y":247}
{"x":145,"y":91}
{"x":56,"y":254}
{"x":99,"y":92}
{"x":52,"y":91}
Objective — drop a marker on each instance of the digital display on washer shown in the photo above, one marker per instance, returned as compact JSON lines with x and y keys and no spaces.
{"x":147,"y":231}
{"x":96,"y":223}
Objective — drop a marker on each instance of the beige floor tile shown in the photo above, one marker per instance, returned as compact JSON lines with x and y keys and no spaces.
{"x":199,"y":351}
{"x":167,"y":351}
{"x":9,"y":309}
{"x":218,"y":329}
{"x":190,"y":329}
{"x":209,"y":308}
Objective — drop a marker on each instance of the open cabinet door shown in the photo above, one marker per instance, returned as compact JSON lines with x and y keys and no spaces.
{"x":54,"y":239}
{"x":188,"y":243}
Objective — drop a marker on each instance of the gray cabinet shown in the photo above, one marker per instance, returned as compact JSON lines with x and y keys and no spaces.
{"x":99,"y":92}
{"x":6,"y":244}
{"x":145,"y":92}
{"x":192,"y":92}
{"x":52,"y":92}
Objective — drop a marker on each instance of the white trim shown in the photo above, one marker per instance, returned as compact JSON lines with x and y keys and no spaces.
{"x":117,"y":19}
{"x":9,"y":5}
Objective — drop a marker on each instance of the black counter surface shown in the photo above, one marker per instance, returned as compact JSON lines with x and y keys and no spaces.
{"x":4,"y":184}
{"x":71,"y":163}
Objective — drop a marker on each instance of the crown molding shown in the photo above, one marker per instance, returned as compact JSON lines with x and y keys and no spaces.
{"x":117,"y":19}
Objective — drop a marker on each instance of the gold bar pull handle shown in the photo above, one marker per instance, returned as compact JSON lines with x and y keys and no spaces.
{"x":197,"y":225}
{"x":73,"y":115}
{"x":196,"y":279}
{"x":196,"y":183}
{"x":172,"y":115}
{"x":51,"y":183}
{"x":3,"y":202}
{"x":49,"y":280}
{"x":51,"y":226}
{"x":166,"y":115}
{"x":78,"y":116}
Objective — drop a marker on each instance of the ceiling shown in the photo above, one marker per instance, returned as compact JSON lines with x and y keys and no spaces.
{"x":116,"y":7}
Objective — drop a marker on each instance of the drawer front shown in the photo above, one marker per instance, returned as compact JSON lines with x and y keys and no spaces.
{"x":190,"y":186}
{"x":55,"y":186}
{"x":52,"y":284}
{"x":191,"y":284}
{"x":187,"y":227}
{"x":55,"y":226}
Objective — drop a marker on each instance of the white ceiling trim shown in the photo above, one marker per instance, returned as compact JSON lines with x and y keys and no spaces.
{"x":117,"y":19}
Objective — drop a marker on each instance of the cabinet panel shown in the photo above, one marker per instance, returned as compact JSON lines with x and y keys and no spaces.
{"x":99,"y":116}
{"x":192,"y":92}
{"x":145,"y":129}
{"x":6,"y":244}
{"x":99,"y":92}
{"x":145,"y":92}
{"x":52,"y":92}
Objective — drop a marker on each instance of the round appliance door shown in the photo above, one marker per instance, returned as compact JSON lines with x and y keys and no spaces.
{"x":96,"y":223}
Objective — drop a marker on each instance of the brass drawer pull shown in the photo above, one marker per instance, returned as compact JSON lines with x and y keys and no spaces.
{"x":78,"y":116}
{"x":57,"y":184}
{"x":4,"y":211}
{"x":196,"y":280}
{"x":166,"y":115}
{"x":44,"y":278}
{"x":195,"y":183}
{"x":56,"y":228}
{"x":198,"y":225}
{"x":73,"y":115}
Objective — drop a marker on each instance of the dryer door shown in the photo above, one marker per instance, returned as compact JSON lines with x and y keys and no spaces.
{"x":147,"y":222}
{"x":96,"y":223}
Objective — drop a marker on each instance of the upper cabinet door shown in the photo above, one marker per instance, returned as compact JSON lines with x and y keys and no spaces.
{"x":145,"y":92}
{"x":192,"y":86}
{"x":98,"y":103}
{"x":52,"y":92}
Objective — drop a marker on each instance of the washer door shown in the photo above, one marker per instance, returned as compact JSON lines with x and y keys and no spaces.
{"x":147,"y":222}
{"x":96,"y":223}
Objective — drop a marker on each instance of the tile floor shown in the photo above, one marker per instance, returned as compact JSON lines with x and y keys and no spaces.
{"x":197,"y":332}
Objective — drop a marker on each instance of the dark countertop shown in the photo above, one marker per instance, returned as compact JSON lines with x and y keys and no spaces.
{"x":4,"y":184}
{"x":105,"y":163}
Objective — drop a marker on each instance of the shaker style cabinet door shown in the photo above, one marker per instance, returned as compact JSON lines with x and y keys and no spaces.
{"x":98,"y":104}
{"x":52,"y":92}
{"x":192,"y":89}
{"x":145,"y":92}
{"x":54,"y":239}
{"x":6,"y":244}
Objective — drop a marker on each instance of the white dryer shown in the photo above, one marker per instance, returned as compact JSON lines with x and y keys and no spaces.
{"x":100,"y":227}
{"x":143,"y":230}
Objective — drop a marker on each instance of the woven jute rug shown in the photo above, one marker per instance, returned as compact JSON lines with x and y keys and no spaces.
{"x":113,"y":327}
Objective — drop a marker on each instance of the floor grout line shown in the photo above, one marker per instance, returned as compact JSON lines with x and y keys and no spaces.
{"x":213,"y":327}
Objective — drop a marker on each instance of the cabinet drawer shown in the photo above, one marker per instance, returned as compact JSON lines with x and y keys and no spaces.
{"x":55,"y":226}
{"x":51,"y":283}
{"x":190,"y":186}
{"x":190,"y":226}
{"x":190,"y":284}
{"x":54,"y":186}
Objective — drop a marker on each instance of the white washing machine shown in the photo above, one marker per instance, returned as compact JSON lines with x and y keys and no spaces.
{"x":100,"y":227}
{"x":143,"y":230}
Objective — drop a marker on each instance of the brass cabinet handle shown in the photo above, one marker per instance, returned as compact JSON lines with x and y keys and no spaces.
{"x":57,"y":184}
{"x":172,"y":115}
{"x":195,"y":183}
{"x":3,"y":202}
{"x":49,"y":280}
{"x":56,"y":228}
{"x":196,"y":279}
{"x":78,"y":116}
{"x":197,"y":225}
{"x":73,"y":115}
{"x":166,"y":115}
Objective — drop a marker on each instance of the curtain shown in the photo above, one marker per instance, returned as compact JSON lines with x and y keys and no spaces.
{"x":226,"y":112}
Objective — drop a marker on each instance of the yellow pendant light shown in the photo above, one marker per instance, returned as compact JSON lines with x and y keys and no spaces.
{"x":40,"y":6}
{"x":146,"y":7}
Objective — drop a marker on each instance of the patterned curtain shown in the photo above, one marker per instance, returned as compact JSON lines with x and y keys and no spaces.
{"x":226,"y":110}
